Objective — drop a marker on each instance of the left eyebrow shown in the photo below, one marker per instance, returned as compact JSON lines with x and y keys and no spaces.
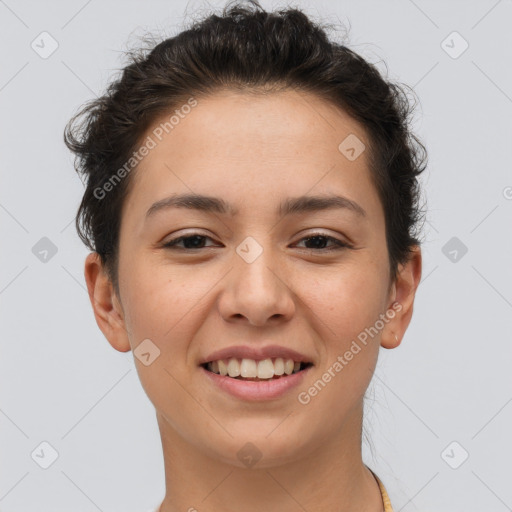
{"x":289,"y":206}
{"x":192,"y":202}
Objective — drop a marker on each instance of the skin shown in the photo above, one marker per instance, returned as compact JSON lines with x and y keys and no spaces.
{"x":254,"y":152}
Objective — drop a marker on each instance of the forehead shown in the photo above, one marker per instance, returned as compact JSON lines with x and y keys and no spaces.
{"x":280,"y":124}
{"x":233,"y":144}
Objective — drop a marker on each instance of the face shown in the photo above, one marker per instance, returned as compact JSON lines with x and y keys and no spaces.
{"x":306,"y":281}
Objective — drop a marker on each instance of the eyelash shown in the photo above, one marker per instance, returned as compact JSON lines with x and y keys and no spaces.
{"x":339,"y":245}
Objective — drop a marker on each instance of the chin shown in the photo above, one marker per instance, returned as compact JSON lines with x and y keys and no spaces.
{"x":260,"y":448}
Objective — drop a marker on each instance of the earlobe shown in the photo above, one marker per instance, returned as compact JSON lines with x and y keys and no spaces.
{"x":395,"y":343}
{"x":404,"y":292}
{"x":106,"y":307}
{"x":391,"y":338}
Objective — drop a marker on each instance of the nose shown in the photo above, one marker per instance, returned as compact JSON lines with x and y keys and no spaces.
{"x":257,"y":292}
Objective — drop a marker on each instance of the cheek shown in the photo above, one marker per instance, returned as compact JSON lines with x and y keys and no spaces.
{"x":348,"y":300}
{"x":344,"y":310}
{"x":156,"y":301}
{"x":160,"y":309}
{"x":347,"y":305}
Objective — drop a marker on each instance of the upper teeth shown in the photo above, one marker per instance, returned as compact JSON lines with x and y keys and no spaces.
{"x":251,"y":368}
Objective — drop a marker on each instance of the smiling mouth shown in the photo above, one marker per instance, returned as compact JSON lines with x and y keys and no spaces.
{"x":252,"y":370}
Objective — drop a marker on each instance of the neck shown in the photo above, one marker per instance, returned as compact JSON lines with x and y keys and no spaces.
{"x":331,"y":477}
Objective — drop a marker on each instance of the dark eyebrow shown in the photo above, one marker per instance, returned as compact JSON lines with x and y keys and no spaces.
{"x":318,"y":203}
{"x":289,"y":206}
{"x":192,"y":202}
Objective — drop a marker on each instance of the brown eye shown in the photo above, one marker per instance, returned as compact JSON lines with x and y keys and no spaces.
{"x":319,"y":239}
{"x":193,"y":241}
{"x":317,"y":242}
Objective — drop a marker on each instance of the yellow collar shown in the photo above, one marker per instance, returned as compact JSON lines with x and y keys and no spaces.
{"x":385,"y":498}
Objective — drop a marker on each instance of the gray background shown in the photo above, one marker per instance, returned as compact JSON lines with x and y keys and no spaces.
{"x":449,"y":381}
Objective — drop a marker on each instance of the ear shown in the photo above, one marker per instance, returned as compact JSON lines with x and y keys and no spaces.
{"x":401,"y":301}
{"x":105,"y":303}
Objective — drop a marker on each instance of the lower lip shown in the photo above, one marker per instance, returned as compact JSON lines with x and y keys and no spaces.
{"x":256,"y":390}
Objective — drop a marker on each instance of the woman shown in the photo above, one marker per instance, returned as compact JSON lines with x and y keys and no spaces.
{"x":251,"y":205}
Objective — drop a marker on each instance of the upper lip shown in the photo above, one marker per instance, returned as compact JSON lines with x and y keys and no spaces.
{"x":257,"y":353}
